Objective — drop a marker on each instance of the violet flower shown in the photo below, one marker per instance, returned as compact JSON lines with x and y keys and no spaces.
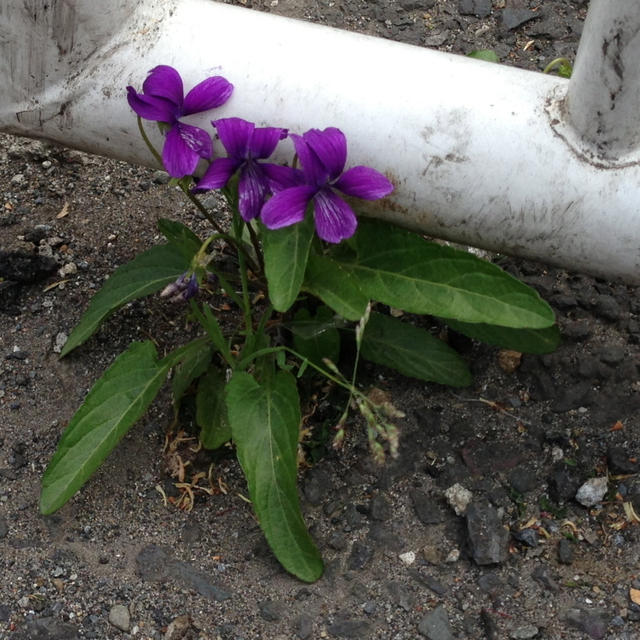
{"x":182,"y":289}
{"x":163,"y":100}
{"x":323,"y":155}
{"x":245,"y":145}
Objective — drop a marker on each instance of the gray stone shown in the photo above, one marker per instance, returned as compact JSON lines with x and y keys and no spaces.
{"x":565,"y":552}
{"x":479,"y":8}
{"x":514,"y":18}
{"x":592,"y":492}
{"x":525,"y":633}
{"x":400,"y":595}
{"x":380,"y":508}
{"x":156,"y":564}
{"x":304,"y":627}
{"x":435,"y":625}
{"x":119,"y":617}
{"x":270,"y":611}
{"x":178,"y":628}
{"x":4,"y":528}
{"x":542,"y":575}
{"x":608,"y":308}
{"x":523,"y":479}
{"x":317,"y":484}
{"x":349,"y":629}
{"x":46,"y":629}
{"x":591,"y":622}
{"x":427,"y":509}
{"x":360,"y":556}
{"x":487,"y":537}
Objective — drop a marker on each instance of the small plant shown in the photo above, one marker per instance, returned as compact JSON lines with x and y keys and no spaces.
{"x":306,"y":276}
{"x":561,"y":66}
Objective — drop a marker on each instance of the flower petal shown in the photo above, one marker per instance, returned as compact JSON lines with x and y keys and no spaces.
{"x":253,"y":188}
{"x":282,"y":177}
{"x":265,"y":140}
{"x":334,"y":218}
{"x":151,"y":108}
{"x":315,"y":172}
{"x":330,"y":146}
{"x":184,"y":146}
{"x":287,"y":207}
{"x":208,"y":94}
{"x":165,"y":82}
{"x":235,"y":135}
{"x":218,"y":174}
{"x":364,"y":182}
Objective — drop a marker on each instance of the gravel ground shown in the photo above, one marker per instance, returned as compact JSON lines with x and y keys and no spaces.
{"x":503,"y":517}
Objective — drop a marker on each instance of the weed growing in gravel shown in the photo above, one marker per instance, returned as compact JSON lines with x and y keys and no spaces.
{"x":306,"y":276}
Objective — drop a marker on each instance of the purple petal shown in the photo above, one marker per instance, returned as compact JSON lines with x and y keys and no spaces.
{"x":287,"y":207}
{"x":365,"y":183}
{"x":208,"y":94}
{"x":334,"y":218}
{"x":218,"y":174}
{"x":330,"y":146}
{"x":314,"y":170}
{"x":184,"y":146}
{"x":151,"y":108}
{"x":165,"y":82}
{"x":282,"y":177}
{"x":253,"y":188}
{"x":235,"y":135}
{"x":265,"y":140}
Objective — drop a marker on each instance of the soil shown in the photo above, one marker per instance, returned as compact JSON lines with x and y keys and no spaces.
{"x":406,"y":557}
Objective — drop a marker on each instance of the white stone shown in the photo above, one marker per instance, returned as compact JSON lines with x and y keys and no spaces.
{"x":408,"y":558}
{"x":458,"y":498}
{"x":592,"y":491}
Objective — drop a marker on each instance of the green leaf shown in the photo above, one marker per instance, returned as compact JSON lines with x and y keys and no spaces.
{"x":180,"y":236}
{"x":211,"y":325}
{"x":116,"y":401}
{"x":316,"y":337}
{"x":145,"y":274}
{"x":285,"y":259}
{"x":399,"y":268}
{"x":523,"y":340}
{"x":265,"y":422}
{"x":412,"y":351}
{"x":194,"y":362}
{"x":211,"y":410}
{"x":334,"y":284}
{"x":484,"y":54}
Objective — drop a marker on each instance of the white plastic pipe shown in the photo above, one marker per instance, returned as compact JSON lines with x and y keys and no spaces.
{"x":481,"y":154}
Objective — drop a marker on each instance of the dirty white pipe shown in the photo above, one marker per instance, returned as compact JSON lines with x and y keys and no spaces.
{"x":481,"y":154}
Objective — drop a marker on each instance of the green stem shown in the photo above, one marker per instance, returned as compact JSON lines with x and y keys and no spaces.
{"x":151,"y":148}
{"x":556,"y":63}
{"x":256,"y":246}
{"x":246,"y":304}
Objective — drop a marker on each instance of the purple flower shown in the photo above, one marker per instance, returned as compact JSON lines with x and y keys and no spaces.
{"x":323,"y":155}
{"x":245,"y":144}
{"x":163,"y":100}
{"x":182,"y":289}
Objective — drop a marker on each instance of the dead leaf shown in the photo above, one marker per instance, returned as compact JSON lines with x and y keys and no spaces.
{"x":64,"y":211}
{"x":634,"y":594}
{"x":509,"y":360}
{"x":618,"y":426}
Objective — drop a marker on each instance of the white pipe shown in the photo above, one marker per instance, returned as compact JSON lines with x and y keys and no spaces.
{"x":479,"y":153}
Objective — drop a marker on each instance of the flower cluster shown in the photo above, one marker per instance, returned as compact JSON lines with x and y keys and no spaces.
{"x":278,"y":195}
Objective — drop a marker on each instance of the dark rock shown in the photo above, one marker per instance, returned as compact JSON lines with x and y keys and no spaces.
{"x":612,"y":354}
{"x":514,"y":18}
{"x":317,"y":483}
{"x":577,"y":330}
{"x":156,"y":564}
{"x":427,"y":508}
{"x":564,"y":302}
{"x":479,"y":8}
{"x":620,"y":461}
{"x":413,"y":5}
{"x":337,"y":541}
{"x":46,"y":629}
{"x":349,"y":629}
{"x":24,"y":267}
{"x":563,"y":482}
{"x":591,"y":622}
{"x":523,"y":479}
{"x":491,"y":629}
{"x":400,"y":595}
{"x":382,"y":535}
{"x":360,"y":556}
{"x":565,"y":552}
{"x":608,"y":308}
{"x":5,"y":613}
{"x":304,"y":627}
{"x":572,"y":397}
{"x":487,"y":537}
{"x":542,"y":575}
{"x":528,"y":536}
{"x":354,"y":516}
{"x":542,"y":386}
{"x":490,"y":584}
{"x":4,"y":527}
{"x":435,"y":625}
{"x":270,"y":611}
{"x":380,"y":508}
{"x":429,"y":581}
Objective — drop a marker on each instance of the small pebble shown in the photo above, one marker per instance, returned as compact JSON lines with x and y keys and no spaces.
{"x":592,"y":492}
